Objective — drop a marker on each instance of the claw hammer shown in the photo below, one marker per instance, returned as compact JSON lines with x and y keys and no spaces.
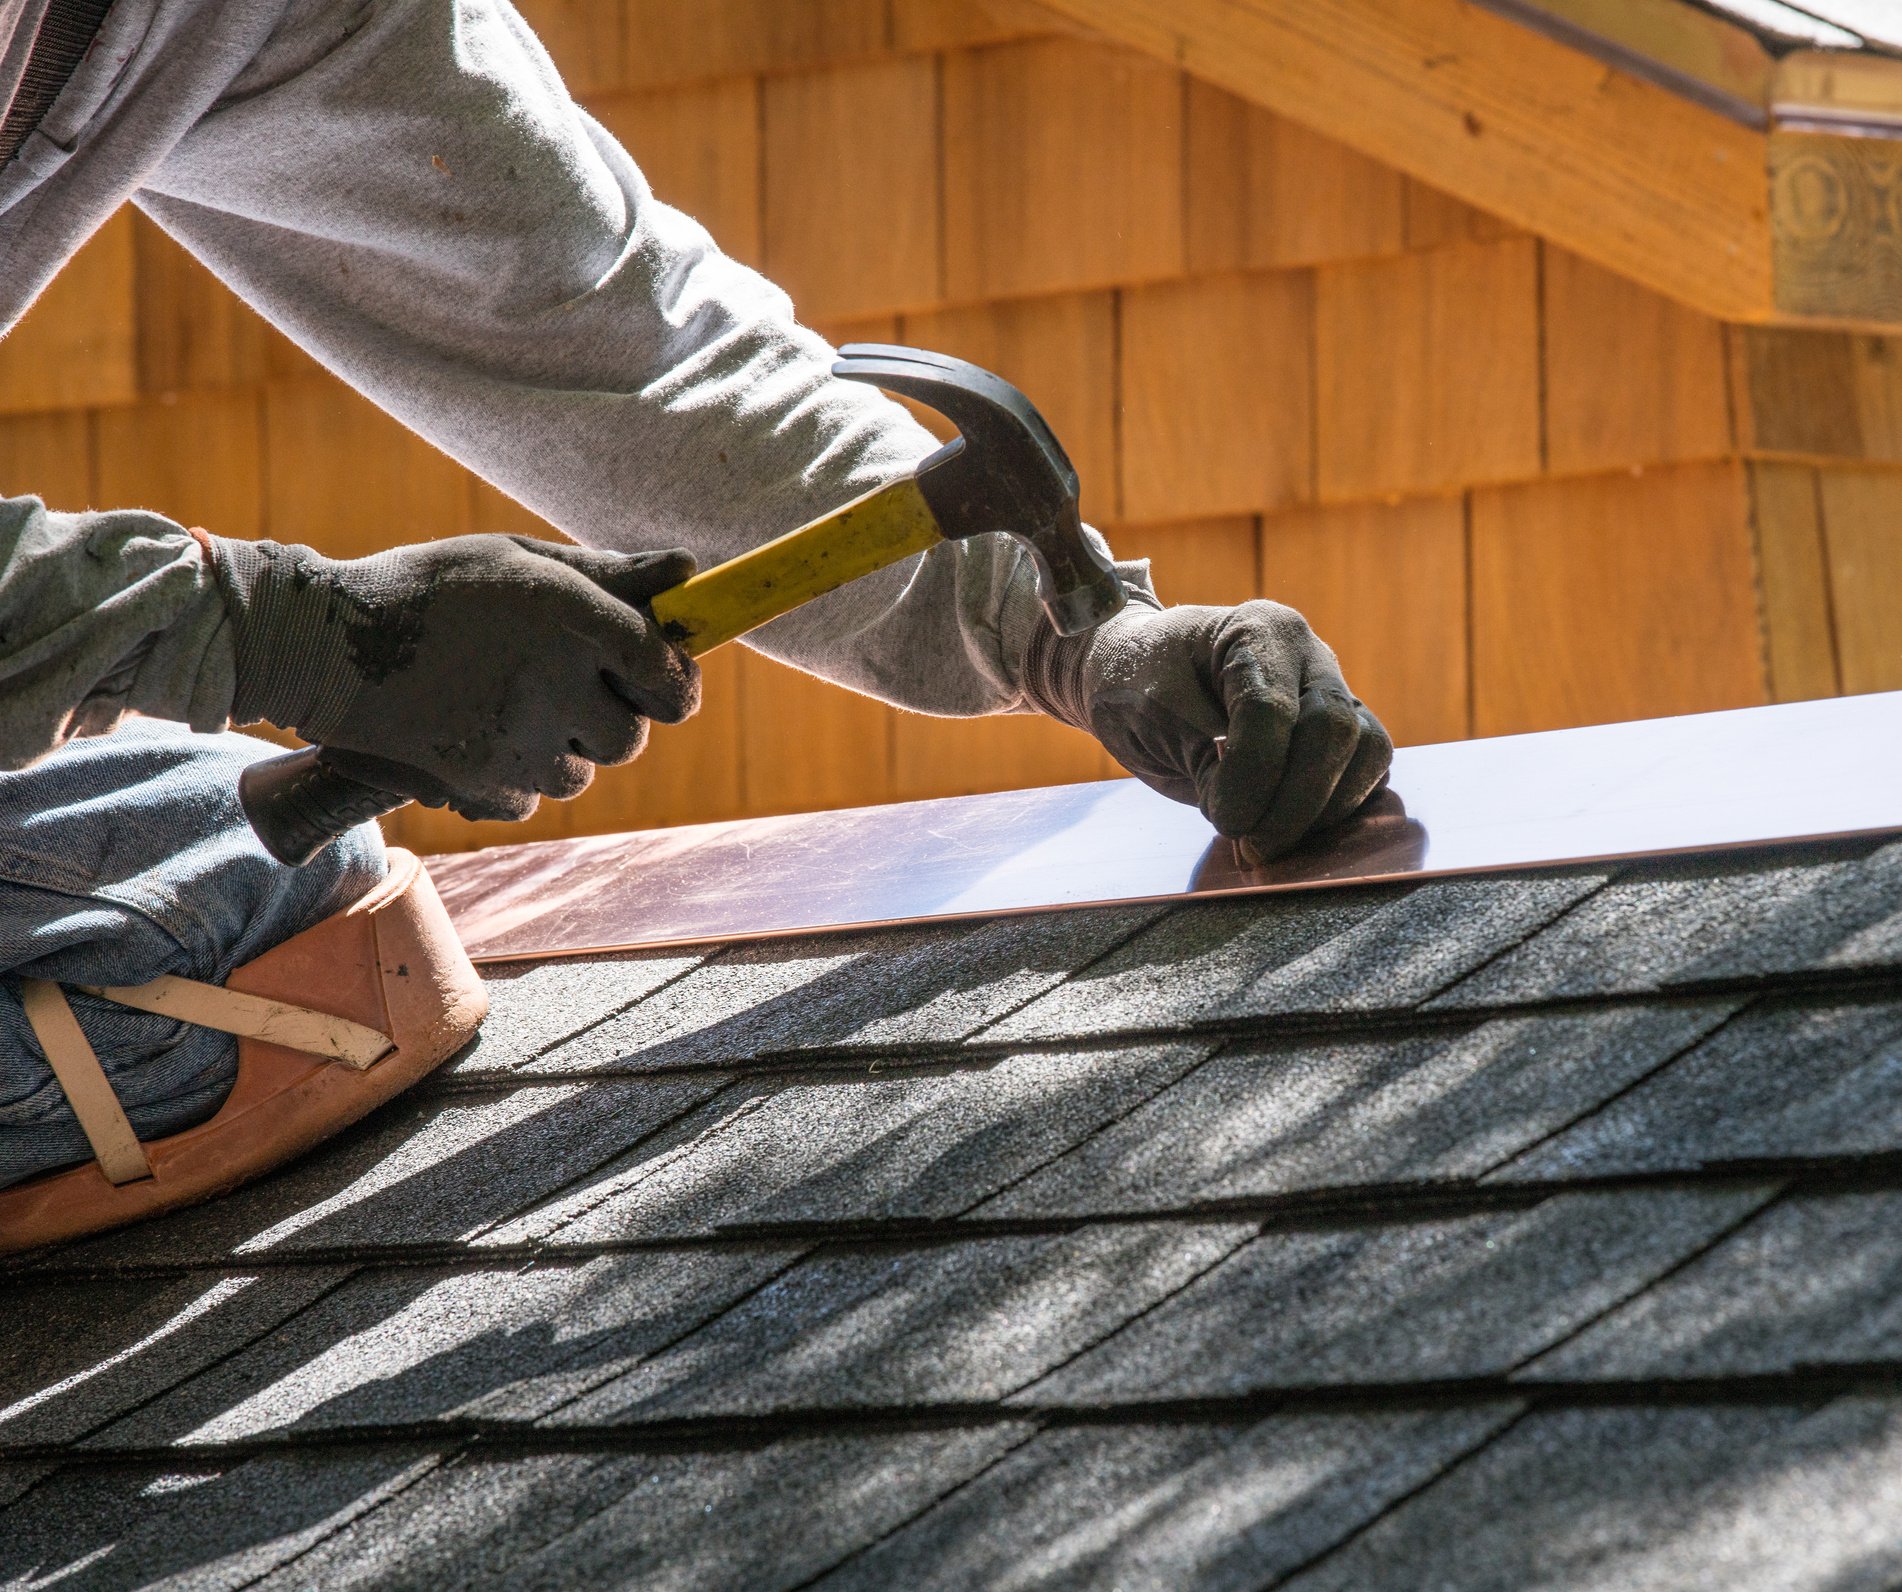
{"x":1004,"y":471}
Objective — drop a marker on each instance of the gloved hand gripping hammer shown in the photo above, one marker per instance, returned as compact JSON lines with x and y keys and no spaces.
{"x":1005,"y":471}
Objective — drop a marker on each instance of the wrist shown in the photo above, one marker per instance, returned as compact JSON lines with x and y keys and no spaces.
{"x":1053,"y":676}
{"x":1061,"y":673}
{"x":291,"y":621}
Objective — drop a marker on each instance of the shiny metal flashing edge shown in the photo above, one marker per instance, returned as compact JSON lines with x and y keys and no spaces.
{"x":1708,"y":782}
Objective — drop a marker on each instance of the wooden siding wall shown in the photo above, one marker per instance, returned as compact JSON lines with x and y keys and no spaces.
{"x":1514,"y":491}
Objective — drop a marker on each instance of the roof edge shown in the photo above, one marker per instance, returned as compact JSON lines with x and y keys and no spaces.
{"x":1707,"y":782}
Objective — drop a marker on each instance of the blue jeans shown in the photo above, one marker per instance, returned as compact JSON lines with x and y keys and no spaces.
{"x":123,"y":857}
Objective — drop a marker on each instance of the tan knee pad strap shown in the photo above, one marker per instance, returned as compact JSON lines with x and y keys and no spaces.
{"x":88,"y":1091}
{"x":250,"y":1017}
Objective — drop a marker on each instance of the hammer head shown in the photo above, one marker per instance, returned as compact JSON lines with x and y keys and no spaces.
{"x":1004,"y":472}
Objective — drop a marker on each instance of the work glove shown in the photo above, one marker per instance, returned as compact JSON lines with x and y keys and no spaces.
{"x":479,"y":673}
{"x":1161,"y":687}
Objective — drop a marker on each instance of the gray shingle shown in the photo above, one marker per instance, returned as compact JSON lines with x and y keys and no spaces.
{"x":1622,"y":1282}
{"x":1415,"y":946}
{"x":930,"y":985}
{"x":1218,"y":1507}
{"x":409,"y":1345}
{"x":18,"y":1478}
{"x":1267,"y":1119}
{"x":1674,"y":924}
{"x":947,"y":1323}
{"x":537,"y":1225}
{"x":1618,"y":1500}
{"x":1814,"y":1281}
{"x":878,"y":1146}
{"x":429,"y":1170}
{"x":535,"y":1005}
{"x":1467,"y":1297}
{"x":1785,"y":1079}
{"x":76,"y":1353}
{"x":763,"y":1519}
{"x":1375,"y":948}
{"x":185,"y":1526}
{"x":465,"y":1523}
{"x":768,"y":1520}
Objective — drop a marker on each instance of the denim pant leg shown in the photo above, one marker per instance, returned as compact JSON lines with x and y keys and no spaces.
{"x":123,"y":857}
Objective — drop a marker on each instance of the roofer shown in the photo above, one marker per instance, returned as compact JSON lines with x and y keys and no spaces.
{"x":406,"y":190}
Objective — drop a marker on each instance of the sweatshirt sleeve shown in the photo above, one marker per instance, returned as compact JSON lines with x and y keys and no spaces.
{"x":102,"y":615}
{"x":409,"y":193}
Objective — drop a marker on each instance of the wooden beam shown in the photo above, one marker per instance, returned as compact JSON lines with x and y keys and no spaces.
{"x":1643,"y":135}
{"x":1723,"y":64}
{"x":1863,"y":89}
{"x":1719,"y":62}
{"x":1835,"y":200}
{"x":1620,"y":170}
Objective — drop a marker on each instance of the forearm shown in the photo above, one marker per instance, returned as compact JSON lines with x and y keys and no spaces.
{"x":101,"y":615}
{"x":424,"y":208}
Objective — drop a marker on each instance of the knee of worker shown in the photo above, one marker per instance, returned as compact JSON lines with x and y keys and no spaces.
{"x":114,"y":845}
{"x":168,"y":1076}
{"x":123,"y":857}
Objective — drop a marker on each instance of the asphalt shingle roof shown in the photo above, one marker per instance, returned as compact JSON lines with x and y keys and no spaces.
{"x":1521,"y":1231}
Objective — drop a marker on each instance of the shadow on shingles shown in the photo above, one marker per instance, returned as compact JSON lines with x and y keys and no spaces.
{"x":770,"y":1516}
{"x":1784,"y":910}
{"x":1445,"y":1107}
{"x":883,"y":1332}
{"x":1096,"y":1132}
{"x":1784,"y":1496}
{"x":1428,"y":1122}
{"x":1790,"y":1079}
{"x":891,"y":1339}
{"x":1128,"y":1129}
{"x":406,"y":1348}
{"x":1809,"y":1283}
{"x":1232,"y":1505}
{"x":934,"y":985}
{"x":1074,"y":1510}
{"x":418,"y":1171}
{"x":1278,"y":1120}
{"x":116,"y":1527}
{"x":862,"y":1147}
{"x":946,"y":1157}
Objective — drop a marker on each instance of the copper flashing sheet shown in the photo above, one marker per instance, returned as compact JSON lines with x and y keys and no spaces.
{"x":1712,"y":781}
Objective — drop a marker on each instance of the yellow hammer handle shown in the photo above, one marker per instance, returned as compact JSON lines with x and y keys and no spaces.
{"x":730,"y":599}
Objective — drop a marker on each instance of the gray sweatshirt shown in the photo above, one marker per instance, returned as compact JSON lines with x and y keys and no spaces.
{"x":405,"y":188}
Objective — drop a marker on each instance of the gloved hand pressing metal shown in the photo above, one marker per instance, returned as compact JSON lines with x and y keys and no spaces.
{"x":479,"y":673}
{"x":1158,"y":686}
